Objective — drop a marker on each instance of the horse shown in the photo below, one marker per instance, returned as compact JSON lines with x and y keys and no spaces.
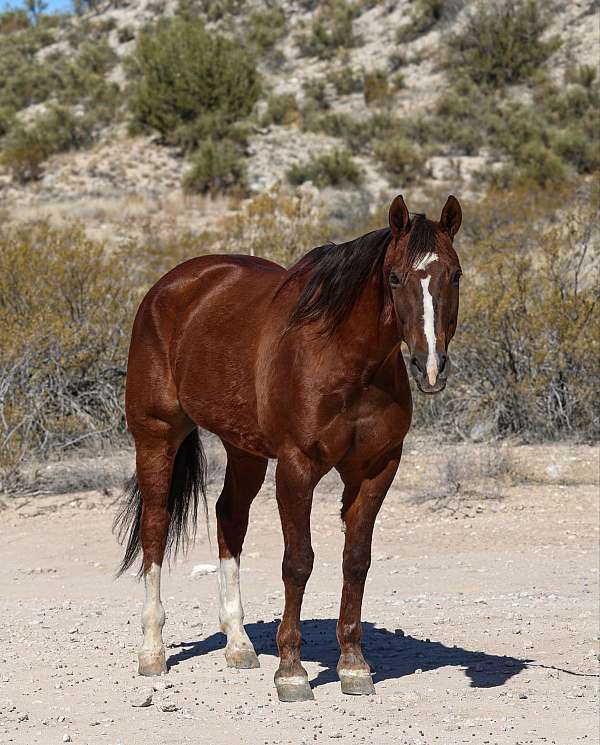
{"x":304,"y":366}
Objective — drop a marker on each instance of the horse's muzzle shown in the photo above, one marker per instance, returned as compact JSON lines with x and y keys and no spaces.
{"x":430,"y":375}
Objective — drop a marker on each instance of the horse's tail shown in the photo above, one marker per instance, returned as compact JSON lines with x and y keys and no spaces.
{"x":188,"y":486}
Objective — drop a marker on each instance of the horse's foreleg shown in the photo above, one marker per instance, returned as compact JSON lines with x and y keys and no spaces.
{"x":360,"y":505}
{"x":295,"y":483}
{"x":243,"y":479}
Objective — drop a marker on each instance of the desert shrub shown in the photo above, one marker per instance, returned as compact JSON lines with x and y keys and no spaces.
{"x":183,"y":75}
{"x":215,"y":166}
{"x":376,"y":88}
{"x":65,"y":314}
{"x":125,"y":34}
{"x":346,"y":80}
{"x":400,"y":158}
{"x":265,"y":28}
{"x":366,"y":135}
{"x":274,"y":225}
{"x":583,"y":75}
{"x":575,"y":146}
{"x":25,"y":148}
{"x":526,"y":356}
{"x":26,"y":80}
{"x":315,"y":91}
{"x":282,"y":108}
{"x":335,"y":168}
{"x":425,"y":15}
{"x":501,"y":43}
{"x":332,"y":29}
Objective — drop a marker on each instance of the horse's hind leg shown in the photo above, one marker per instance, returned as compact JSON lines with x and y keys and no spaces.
{"x":243,"y":478}
{"x":164,"y":460}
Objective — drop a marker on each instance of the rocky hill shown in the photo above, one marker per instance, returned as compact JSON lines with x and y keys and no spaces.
{"x":376,"y":82}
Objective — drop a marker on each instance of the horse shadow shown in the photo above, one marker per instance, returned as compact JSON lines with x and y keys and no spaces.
{"x":391,"y":655}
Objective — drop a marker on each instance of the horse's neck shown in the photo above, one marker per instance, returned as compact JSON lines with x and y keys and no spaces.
{"x":369,"y":333}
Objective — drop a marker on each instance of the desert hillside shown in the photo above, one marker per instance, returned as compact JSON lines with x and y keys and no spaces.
{"x":362,"y":99}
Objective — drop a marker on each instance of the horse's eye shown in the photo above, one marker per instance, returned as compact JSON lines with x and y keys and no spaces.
{"x":394,"y":280}
{"x":456,"y":278}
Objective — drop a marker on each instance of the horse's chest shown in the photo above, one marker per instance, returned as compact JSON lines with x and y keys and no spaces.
{"x":375,"y":423}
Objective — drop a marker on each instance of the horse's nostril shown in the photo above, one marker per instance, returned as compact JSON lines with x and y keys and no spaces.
{"x":415,"y":363}
{"x":443,"y":363}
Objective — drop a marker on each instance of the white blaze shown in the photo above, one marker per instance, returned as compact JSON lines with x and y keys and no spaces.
{"x":429,"y":327}
{"x":153,"y":614}
{"x":425,"y":261}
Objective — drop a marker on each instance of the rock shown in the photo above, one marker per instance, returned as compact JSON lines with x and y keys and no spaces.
{"x":399,"y":632}
{"x":202,"y":569}
{"x":168,"y":706}
{"x":142,"y":699}
{"x":67,"y":738}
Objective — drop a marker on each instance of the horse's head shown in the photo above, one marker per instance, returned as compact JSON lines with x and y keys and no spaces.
{"x":424,"y":271}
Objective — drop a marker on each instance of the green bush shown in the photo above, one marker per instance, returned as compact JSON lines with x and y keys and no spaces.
{"x":281,"y":109}
{"x":215,"y":166}
{"x":331,"y":169}
{"x":576,"y":147}
{"x":182,"y":75}
{"x":316,"y":98}
{"x":345,"y":80}
{"x":125,"y":34}
{"x":332,"y":29}
{"x":426,"y":13}
{"x":26,"y":148}
{"x":501,"y":43}
{"x":376,"y":88}
{"x":400,"y":158}
{"x":265,"y":28}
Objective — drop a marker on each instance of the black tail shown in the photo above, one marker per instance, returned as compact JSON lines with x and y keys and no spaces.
{"x":188,"y":484}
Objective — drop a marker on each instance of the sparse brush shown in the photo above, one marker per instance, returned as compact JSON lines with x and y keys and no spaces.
{"x":335,"y":168}
{"x":501,"y":43}
{"x":332,"y":29}
{"x":215,"y":166}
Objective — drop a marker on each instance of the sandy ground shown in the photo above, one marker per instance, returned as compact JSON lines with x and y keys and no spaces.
{"x":481,"y":616}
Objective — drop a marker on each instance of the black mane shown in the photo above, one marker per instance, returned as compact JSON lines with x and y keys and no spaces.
{"x":337,"y":273}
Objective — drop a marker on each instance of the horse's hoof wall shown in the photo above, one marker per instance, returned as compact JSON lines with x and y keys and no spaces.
{"x":242,"y":659}
{"x":356,"y":683}
{"x":294,"y":689}
{"x":152,"y":663}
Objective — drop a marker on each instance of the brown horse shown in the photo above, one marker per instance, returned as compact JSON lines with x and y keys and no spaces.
{"x":302,"y":365}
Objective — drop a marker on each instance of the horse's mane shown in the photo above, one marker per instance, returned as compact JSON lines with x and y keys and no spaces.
{"x":336,"y":274}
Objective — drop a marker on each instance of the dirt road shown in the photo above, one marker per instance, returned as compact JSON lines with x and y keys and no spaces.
{"x":481,"y":616}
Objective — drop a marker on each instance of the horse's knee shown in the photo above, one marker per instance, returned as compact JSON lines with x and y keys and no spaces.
{"x":297,"y":566}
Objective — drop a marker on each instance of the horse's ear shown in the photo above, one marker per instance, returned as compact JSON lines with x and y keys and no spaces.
{"x":451,"y":216}
{"x":398,"y":217}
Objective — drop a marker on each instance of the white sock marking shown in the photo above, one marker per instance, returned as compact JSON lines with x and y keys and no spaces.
{"x":153,"y":613}
{"x":231,"y":613}
{"x":429,"y":326}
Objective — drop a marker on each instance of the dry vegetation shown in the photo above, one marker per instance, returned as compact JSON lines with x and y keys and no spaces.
{"x":526,"y":355}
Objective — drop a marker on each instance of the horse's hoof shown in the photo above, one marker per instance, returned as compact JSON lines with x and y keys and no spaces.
{"x":152,"y":663}
{"x":356,"y":682}
{"x":296,"y":688}
{"x":243,"y":659}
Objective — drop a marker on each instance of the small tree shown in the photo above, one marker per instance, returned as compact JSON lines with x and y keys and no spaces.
{"x":182,"y":75}
{"x":36,"y":9}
